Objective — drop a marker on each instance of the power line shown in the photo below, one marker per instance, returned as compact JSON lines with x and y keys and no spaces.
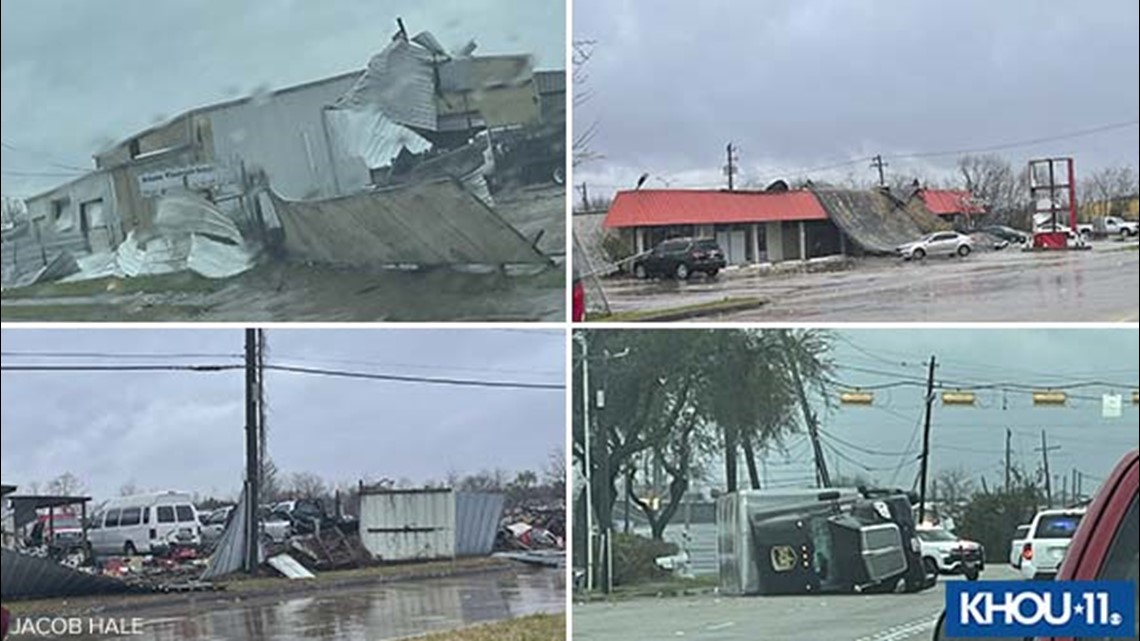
{"x":286,"y":368}
{"x":1022,"y":143}
{"x":119,"y":355}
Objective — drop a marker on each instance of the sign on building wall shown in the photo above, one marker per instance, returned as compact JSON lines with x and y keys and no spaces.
{"x":196,"y":177}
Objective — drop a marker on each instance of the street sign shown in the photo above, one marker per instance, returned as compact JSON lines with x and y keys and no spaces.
{"x":1113,"y":406}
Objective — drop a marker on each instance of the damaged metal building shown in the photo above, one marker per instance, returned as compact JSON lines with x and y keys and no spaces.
{"x":416,"y":113}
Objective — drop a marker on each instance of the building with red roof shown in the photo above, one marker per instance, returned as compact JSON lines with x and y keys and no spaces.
{"x":955,"y":206}
{"x":750,"y":226}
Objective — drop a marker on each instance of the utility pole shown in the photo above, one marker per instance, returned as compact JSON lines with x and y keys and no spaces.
{"x":252,"y":446}
{"x":1008,"y":448}
{"x":877,"y":163}
{"x":585,"y":197}
{"x":730,"y":167}
{"x":588,"y":458}
{"x":822,"y":476}
{"x":1045,"y":449}
{"x":926,"y":442}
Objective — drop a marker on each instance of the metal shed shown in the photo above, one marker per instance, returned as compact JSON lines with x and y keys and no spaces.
{"x":428,"y":523}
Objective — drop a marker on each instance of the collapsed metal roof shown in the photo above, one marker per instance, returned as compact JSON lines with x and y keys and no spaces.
{"x":425,"y":224}
{"x":874,"y":220}
{"x":23,"y":576}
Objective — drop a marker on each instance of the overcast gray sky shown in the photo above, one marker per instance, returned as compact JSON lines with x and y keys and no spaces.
{"x":872,"y":439}
{"x":801,"y":84}
{"x":80,"y":74}
{"x":185,"y":430}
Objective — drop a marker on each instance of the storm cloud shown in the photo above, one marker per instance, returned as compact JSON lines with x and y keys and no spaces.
{"x":800,"y":85}
{"x":184,"y":430}
{"x":78,"y":75}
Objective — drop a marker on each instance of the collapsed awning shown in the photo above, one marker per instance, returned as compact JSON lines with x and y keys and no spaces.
{"x":424,"y":224}
{"x":874,"y":221}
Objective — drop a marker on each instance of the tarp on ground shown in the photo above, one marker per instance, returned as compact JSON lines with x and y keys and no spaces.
{"x":23,"y":576}
{"x":875,"y":221}
{"x":426,"y":224}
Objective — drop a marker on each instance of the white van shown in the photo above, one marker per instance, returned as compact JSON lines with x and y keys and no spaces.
{"x":145,"y":524}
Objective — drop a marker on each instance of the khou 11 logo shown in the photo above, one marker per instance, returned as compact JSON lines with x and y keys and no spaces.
{"x":1041,"y":608}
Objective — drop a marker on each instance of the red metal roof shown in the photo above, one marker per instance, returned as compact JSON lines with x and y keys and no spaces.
{"x":657,"y":207}
{"x":950,"y":201}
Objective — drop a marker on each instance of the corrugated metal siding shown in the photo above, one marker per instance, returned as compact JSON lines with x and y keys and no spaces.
{"x":477,"y":519}
{"x":26,"y":577}
{"x":408,"y":525}
{"x":436,"y":223}
{"x":658,"y":207}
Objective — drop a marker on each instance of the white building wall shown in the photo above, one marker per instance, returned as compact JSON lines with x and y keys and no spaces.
{"x":288,"y":135}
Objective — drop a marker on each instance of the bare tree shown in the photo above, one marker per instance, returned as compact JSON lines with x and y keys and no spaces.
{"x":306,"y":485}
{"x":993,"y":181}
{"x":130,"y":488}
{"x":1104,"y":192}
{"x":66,"y":484}
{"x":584,"y":133}
{"x":555,"y":473}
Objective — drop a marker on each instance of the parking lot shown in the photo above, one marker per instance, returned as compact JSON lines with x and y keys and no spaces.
{"x":1099,"y":285}
{"x":885,"y":617}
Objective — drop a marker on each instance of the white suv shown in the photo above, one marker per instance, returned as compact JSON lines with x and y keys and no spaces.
{"x":1049,"y":536}
{"x":946,"y":553}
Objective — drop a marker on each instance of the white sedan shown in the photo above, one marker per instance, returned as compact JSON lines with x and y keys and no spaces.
{"x":943,"y":243}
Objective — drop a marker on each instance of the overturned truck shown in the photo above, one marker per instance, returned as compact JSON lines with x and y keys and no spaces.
{"x":818,"y":541}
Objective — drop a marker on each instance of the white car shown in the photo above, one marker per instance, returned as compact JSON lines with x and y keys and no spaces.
{"x":1015,"y":545}
{"x":1049,"y":536}
{"x":947,"y":553}
{"x":943,"y":243}
{"x":215,"y":524}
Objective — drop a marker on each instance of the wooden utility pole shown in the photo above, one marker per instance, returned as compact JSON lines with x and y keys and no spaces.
{"x":1008,"y":463}
{"x":585,"y":197}
{"x":1045,"y":449}
{"x":926,"y":442}
{"x":252,"y":445}
{"x":877,"y":163}
{"x":730,"y":167}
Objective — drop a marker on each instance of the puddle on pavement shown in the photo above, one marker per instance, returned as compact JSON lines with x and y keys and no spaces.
{"x":392,"y":611}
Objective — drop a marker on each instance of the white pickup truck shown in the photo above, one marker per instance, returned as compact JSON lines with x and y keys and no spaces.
{"x":1108,"y":226}
{"x":1049,"y":536}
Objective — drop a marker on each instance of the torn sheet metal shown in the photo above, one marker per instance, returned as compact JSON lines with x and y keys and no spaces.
{"x":62,"y":266}
{"x":229,"y":555}
{"x":426,"y":224}
{"x":469,"y":164}
{"x":373,"y":137}
{"x":399,"y":82}
{"x":190,"y":234}
{"x":289,"y":567}
{"x":477,"y":517}
{"x":23,"y":576}
{"x":876,"y":222}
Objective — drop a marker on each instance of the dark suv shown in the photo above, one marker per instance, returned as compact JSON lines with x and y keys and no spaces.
{"x":680,"y":258}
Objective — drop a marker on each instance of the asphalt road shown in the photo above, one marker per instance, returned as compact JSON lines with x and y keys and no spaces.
{"x":1101,"y":285}
{"x":884,"y":617}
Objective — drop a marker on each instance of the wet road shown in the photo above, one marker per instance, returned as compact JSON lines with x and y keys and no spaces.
{"x":392,"y":611}
{"x":1102,"y":285}
{"x":884,"y":617}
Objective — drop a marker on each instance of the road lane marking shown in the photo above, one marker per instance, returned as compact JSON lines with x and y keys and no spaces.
{"x":904,"y":631}
{"x":1131,"y":318}
{"x":721,"y":626}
